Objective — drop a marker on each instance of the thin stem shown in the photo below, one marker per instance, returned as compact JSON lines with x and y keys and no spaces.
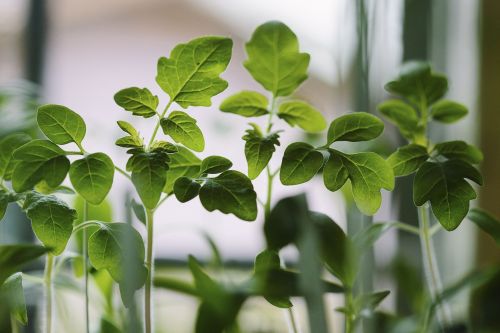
{"x":13,"y":324}
{"x":349,"y":320}
{"x":73,"y":153}
{"x":123,"y":172}
{"x":153,"y":136}
{"x":91,"y":223}
{"x":291,"y":320}
{"x":48,"y":292}
{"x":86,"y":266}
{"x":408,"y":228}
{"x":149,"y":266}
{"x":267,"y":204}
{"x":163,"y":200}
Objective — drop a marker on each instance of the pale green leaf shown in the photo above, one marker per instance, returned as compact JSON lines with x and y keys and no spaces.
{"x":12,"y":295}
{"x":459,"y":150}
{"x":60,"y":124}
{"x":402,"y":115}
{"x":141,"y":102}
{"x":357,"y":126}
{"x":303,"y":115}
{"x":183,"y":129}
{"x":448,"y":112}
{"x":259,"y":149}
{"x":407,"y":159}
{"x":300,"y":163}
{"x":165,"y":146}
{"x":215,"y":164}
{"x":182,"y":163}
{"x":7,"y":146}
{"x":131,"y":141}
{"x":186,"y":189}
{"x":246,"y":104}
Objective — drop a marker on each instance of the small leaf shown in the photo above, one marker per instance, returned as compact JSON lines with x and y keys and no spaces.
{"x":231,"y":192}
{"x":13,"y":257}
{"x":164,"y":146}
{"x":182,"y":163}
{"x":141,"y":102}
{"x":12,"y":295}
{"x":186,"y":189}
{"x":131,"y":141}
{"x":183,"y":129}
{"x":407,"y":159}
{"x":215,"y":164}
{"x":300,"y":163}
{"x":139,"y":211}
{"x":357,"y":126}
{"x":486,"y":222}
{"x":274,"y":59}
{"x":246,"y":104}
{"x":402,"y":115}
{"x":191,"y":75}
{"x":60,"y":124}
{"x":92,"y":177}
{"x":459,"y":150}
{"x":259,"y":150}
{"x":7,"y":146}
{"x":303,"y":115}
{"x":51,"y":220}
{"x":448,"y":112}
{"x":335,"y":173}
{"x":366,"y":304}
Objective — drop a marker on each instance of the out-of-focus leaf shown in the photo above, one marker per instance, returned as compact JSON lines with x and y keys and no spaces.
{"x":12,"y":295}
{"x":13,"y":257}
{"x":486,"y":222}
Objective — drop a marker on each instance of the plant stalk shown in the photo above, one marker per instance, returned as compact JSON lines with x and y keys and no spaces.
{"x":48,"y":292}
{"x":153,"y":136}
{"x":349,"y":322}
{"x":13,"y":324}
{"x":150,"y":268}
{"x":86,"y":266}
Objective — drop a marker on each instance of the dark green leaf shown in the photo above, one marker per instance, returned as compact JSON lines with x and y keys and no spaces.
{"x":182,"y":163}
{"x":92,"y":177}
{"x":246,"y":104}
{"x":183,"y":129}
{"x":407,"y":159}
{"x":357,"y":126}
{"x":300,"y":163}
{"x":186,"y":189}
{"x":259,"y":149}
{"x":215,"y":164}
{"x":231,"y":192}
{"x":486,"y":222}
{"x":191,"y":75}
{"x":274,"y":59}
{"x":12,"y":295}
{"x":303,"y":115}
{"x":448,"y":112}
{"x":141,"y":102}
{"x":402,"y":115}
{"x":335,"y":173}
{"x":7,"y":146}
{"x":139,"y":211}
{"x":13,"y":257}
{"x":459,"y":150}
{"x":60,"y":124}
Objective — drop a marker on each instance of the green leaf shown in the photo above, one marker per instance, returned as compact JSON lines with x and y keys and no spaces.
{"x":183,"y":129}
{"x":139,"y":211}
{"x":133,"y":140}
{"x":39,"y":160}
{"x":215,"y":164}
{"x":357,"y":126}
{"x":141,"y":102}
{"x":5,"y":199}
{"x":164,"y":146}
{"x":448,"y":112}
{"x":366,"y":304}
{"x":191,"y":75}
{"x":368,"y":172}
{"x":486,"y":222}
{"x":459,"y":150}
{"x":303,"y":115}
{"x":231,"y":192}
{"x":264,"y":262}
{"x":60,"y":124}
{"x":259,"y":149}
{"x":274,"y":59}
{"x":186,"y":189}
{"x":246,"y":104}
{"x":300,"y":163}
{"x":407,"y":159}
{"x":443,"y":184}
{"x":7,"y":146}
{"x":13,"y":257}
{"x":92,"y":177}
{"x":182,"y":163}
{"x":12,"y":295}
{"x":149,"y":175}
{"x":335,"y":173}
{"x":402,"y":115}
{"x":51,"y":220}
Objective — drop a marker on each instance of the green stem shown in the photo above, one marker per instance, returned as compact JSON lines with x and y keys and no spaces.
{"x":13,"y":324}
{"x":123,"y":172}
{"x":91,"y":223}
{"x":85,"y":266}
{"x":267,"y":204}
{"x":48,"y":292}
{"x":349,"y":320}
{"x":153,"y":136}
{"x":150,"y":267}
{"x":292,"y":321}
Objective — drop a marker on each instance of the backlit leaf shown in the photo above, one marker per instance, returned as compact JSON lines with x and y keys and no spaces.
{"x":459,"y":150}
{"x":141,"y":102}
{"x":402,"y":115}
{"x":7,"y":146}
{"x":448,"y":112}
{"x":246,"y":104}
{"x":182,"y":163}
{"x":303,"y":115}
{"x":183,"y":129}
{"x":407,"y":159}
{"x":259,"y":149}
{"x":60,"y":124}
{"x":300,"y":163}
{"x":357,"y":126}
{"x":215,"y":164}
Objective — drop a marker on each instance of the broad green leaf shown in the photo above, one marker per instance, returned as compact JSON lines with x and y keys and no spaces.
{"x":12,"y":295}
{"x":335,"y":173}
{"x":7,"y":146}
{"x":51,"y":220}
{"x":39,"y":160}
{"x":274,"y":59}
{"x":231,"y":192}
{"x":13,"y":257}
{"x":407,"y":159}
{"x":266,"y":261}
{"x":60,"y":124}
{"x":448,"y":112}
{"x":459,"y":150}
{"x":259,"y":149}
{"x":141,"y":102}
{"x":443,"y":184}
{"x":183,"y":129}
{"x":402,"y":115}
{"x":357,"y":126}
{"x":133,"y":140}
{"x":300,"y":163}
{"x":186,"y":189}
{"x":369,"y":173}
{"x":486,"y":222}
{"x":92,"y":177}
{"x":303,"y":115}
{"x":182,"y":163}
{"x":215,"y":164}
{"x":246,"y":104}
{"x":149,"y":175}
{"x":191,"y":75}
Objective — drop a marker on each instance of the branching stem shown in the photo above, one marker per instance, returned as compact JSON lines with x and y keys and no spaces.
{"x":155,"y":131}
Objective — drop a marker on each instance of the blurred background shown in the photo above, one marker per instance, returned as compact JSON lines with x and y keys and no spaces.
{"x":80,"y":53}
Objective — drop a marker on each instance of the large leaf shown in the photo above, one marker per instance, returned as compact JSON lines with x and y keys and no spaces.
{"x":407,"y":159}
{"x":141,"y":102}
{"x":92,"y":177}
{"x":448,"y":112}
{"x":402,"y":115}
{"x":13,"y":257}
{"x":486,"y":222}
{"x":182,"y":163}
{"x":39,"y":160}
{"x":357,"y":126}
{"x":246,"y":104}
{"x":191,"y":75}
{"x":459,"y":150}
{"x":300,"y":163}
{"x":303,"y":115}
{"x":259,"y":149}
{"x":183,"y":129}
{"x":7,"y":147}
{"x":60,"y":124}
{"x":12,"y":295}
{"x":274,"y":59}
{"x":215,"y":164}
{"x":443,"y":184}
{"x":51,"y":220}
{"x":232,"y":193}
